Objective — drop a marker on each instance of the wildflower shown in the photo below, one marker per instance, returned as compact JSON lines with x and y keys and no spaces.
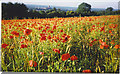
{"x":11,"y":37}
{"x":4,"y":45}
{"x":27,"y":31}
{"x":23,"y":46}
{"x":49,"y":37}
{"x":15,"y":33}
{"x":73,"y":57}
{"x":61,"y":30}
{"x":86,"y":71}
{"x":100,"y":41}
{"x":41,"y":53}
{"x":43,"y":30}
{"x":101,"y":46}
{"x":117,"y":46}
{"x":54,"y":27}
{"x":56,"y":50}
{"x":110,"y":31}
{"x":112,"y":42}
{"x":43,"y":36}
{"x":102,"y":28}
{"x":32,"y":63}
{"x":90,"y":45}
{"x":65,"y":56}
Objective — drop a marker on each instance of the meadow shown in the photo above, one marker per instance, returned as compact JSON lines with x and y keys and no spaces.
{"x":73,"y":44}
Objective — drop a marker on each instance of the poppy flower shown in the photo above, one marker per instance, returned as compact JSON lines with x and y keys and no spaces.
{"x":49,"y":37}
{"x":101,"y":46}
{"x":112,"y":42}
{"x":90,"y":45}
{"x":51,"y":31}
{"x":110,"y":31}
{"x":27,"y":31}
{"x":43,"y":30}
{"x":65,"y":56}
{"x":43,"y":36}
{"x":102,"y":28}
{"x":100,"y":41}
{"x":106,"y":46}
{"x":32,"y":63}
{"x":41,"y":53}
{"x":64,"y":35}
{"x":47,"y":27}
{"x":54,"y":27}
{"x":15,"y":33}
{"x":86,"y":71}
{"x":73,"y":57}
{"x":61,"y":30}
{"x":11,"y":37}
{"x":117,"y":46}
{"x":93,"y":26}
{"x":95,"y":40}
{"x":4,"y":45}
{"x":4,"y":36}
{"x":103,"y":43}
{"x":23,"y":46}
{"x":56,"y":50}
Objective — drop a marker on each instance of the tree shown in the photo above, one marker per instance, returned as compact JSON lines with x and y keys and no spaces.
{"x":84,"y":8}
{"x":109,"y":9}
{"x":10,"y":10}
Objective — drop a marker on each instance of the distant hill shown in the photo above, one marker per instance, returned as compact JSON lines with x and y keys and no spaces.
{"x":30,"y":6}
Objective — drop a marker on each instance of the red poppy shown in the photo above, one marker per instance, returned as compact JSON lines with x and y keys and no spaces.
{"x":100,"y":41}
{"x":43,"y":30}
{"x":73,"y":57}
{"x":103,"y":43}
{"x":23,"y":46}
{"x":95,"y":40}
{"x":86,"y":71}
{"x":49,"y":37}
{"x":15,"y":33}
{"x":101,"y":46}
{"x":65,"y":56}
{"x":90,"y":45}
{"x":117,"y":46}
{"x":31,"y":63}
{"x":64,"y":35}
{"x":51,"y":31}
{"x":4,"y":45}
{"x":102,"y":28}
{"x":110,"y":31}
{"x":47,"y":27}
{"x":93,"y":26}
{"x":41,"y":53}
{"x":56,"y":50}
{"x":54,"y":27}
{"x":106,"y":46}
{"x":27,"y":31}
{"x":43,"y":36}
{"x":61,"y":30}
{"x":112,"y":42}
{"x":11,"y":37}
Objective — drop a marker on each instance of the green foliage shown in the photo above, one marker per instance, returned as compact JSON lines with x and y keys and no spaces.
{"x":20,"y":11}
{"x":84,"y":8}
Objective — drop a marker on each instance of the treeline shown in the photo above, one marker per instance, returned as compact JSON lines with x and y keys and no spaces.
{"x":20,"y":11}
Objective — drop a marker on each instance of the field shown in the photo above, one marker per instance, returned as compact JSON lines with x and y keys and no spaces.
{"x":74,"y":44}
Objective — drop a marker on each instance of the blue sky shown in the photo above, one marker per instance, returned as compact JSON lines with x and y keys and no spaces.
{"x":70,"y":3}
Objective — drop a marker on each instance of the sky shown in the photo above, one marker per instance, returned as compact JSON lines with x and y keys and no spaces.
{"x":70,"y":3}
